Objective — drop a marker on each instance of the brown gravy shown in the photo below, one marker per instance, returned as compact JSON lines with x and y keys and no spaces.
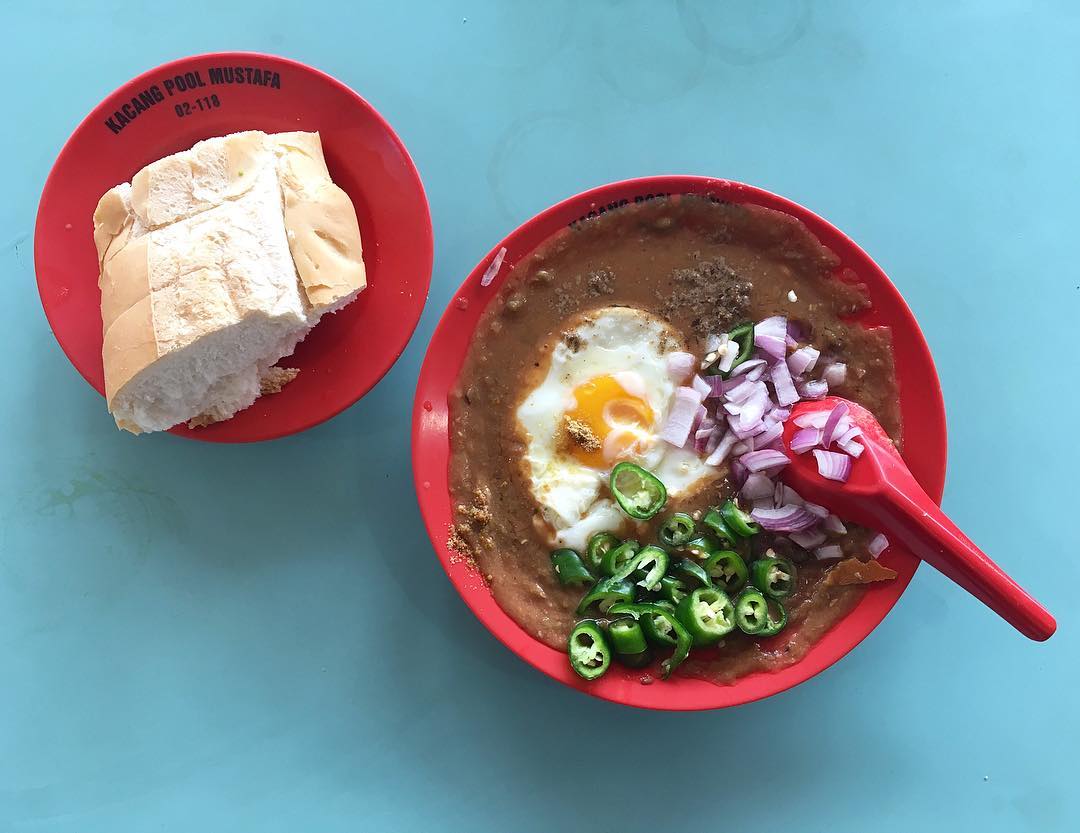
{"x":704,"y":266}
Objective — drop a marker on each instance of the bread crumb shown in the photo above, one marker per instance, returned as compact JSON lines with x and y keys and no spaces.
{"x":580,"y":433}
{"x":275,"y":379}
{"x":201,"y":421}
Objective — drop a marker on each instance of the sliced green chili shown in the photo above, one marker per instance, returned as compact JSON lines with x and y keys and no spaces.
{"x":727,"y":570}
{"x":775,"y":577}
{"x":651,"y":562}
{"x":626,"y":635}
{"x":639,"y":493}
{"x":676,"y":530}
{"x":673,"y":589}
{"x":569,"y":568}
{"x":751,"y":611}
{"x":701,"y":547}
{"x":714,"y":520}
{"x":738,"y":521}
{"x":662,"y":626}
{"x":693,"y":571}
{"x":707,"y":614}
{"x":605,"y":593}
{"x":616,"y":557}
{"x":777,"y":619}
{"x":590,"y":655}
{"x":599,"y":545}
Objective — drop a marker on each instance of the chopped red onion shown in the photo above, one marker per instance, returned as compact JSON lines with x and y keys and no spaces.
{"x":717,"y":386}
{"x":493,"y":267}
{"x":831,"y":551}
{"x":680,"y":365}
{"x":785,"y":388}
{"x":814,"y":419}
{"x":722,"y":450}
{"x":789,"y":518}
{"x":744,"y":390}
{"x":834,"y":373}
{"x":771,"y":433}
{"x":755,"y":374}
{"x":820,"y":511}
{"x":714,"y":342}
{"x":802,"y":360}
{"x":785,"y":494}
{"x":765,"y":459}
{"x":747,"y":366}
{"x":809,"y":538}
{"x":878,"y":544}
{"x":770,"y":336}
{"x":833,"y":465}
{"x":829,"y":432}
{"x":680,"y":419}
{"x":741,"y":448}
{"x":715,"y":436}
{"x":853,"y":448}
{"x":814,"y":389}
{"x":834,"y":524}
{"x":805,"y":439}
{"x":738,"y":473}
{"x":701,"y":386}
{"x":740,"y":432}
{"x":757,"y":487}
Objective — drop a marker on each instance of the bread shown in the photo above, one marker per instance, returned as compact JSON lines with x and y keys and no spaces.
{"x":215,"y":262}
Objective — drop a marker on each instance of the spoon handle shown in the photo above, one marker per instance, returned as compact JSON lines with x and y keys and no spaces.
{"x":913,"y":519}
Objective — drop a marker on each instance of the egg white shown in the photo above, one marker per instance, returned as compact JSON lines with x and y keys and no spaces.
{"x":630,"y":345}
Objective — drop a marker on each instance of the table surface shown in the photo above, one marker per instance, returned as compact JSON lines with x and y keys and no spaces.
{"x":189,"y":642}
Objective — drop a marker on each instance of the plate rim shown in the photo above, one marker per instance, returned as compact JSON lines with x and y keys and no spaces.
{"x":427,"y":241}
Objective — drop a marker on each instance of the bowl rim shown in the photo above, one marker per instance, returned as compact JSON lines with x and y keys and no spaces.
{"x":425,"y":242}
{"x":923,"y":414}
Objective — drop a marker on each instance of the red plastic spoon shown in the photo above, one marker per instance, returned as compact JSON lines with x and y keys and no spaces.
{"x":882,"y":494}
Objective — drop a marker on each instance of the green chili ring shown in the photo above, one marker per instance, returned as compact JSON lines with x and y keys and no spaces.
{"x":651,"y":561}
{"x":727,"y":570}
{"x":675,"y":632}
{"x":739,"y":521}
{"x":707,"y":614}
{"x":751,"y":611}
{"x":777,"y":619}
{"x":569,"y":568}
{"x":676,"y":530}
{"x":617,"y":557}
{"x":590,"y":655}
{"x":714,"y":520}
{"x":605,"y":593}
{"x":599,"y":545}
{"x":639,"y":493}
{"x":775,"y":577}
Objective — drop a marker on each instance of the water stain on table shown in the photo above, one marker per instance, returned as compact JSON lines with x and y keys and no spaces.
{"x":741,"y":35}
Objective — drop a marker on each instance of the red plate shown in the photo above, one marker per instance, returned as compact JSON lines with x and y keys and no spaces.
{"x":195,"y":98}
{"x":920,"y":402}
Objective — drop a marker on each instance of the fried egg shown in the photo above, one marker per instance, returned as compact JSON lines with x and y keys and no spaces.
{"x":603,"y":400}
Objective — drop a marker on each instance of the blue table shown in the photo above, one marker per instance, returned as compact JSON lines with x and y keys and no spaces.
{"x":190,"y":641}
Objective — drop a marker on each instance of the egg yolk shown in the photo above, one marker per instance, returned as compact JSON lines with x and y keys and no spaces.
{"x":618,"y":419}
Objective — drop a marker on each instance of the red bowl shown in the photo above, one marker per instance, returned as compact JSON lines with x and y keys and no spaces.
{"x":921,"y":406}
{"x":348,"y":352}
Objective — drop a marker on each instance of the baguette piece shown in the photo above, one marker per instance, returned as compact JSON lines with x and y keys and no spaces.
{"x":215,"y":262}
